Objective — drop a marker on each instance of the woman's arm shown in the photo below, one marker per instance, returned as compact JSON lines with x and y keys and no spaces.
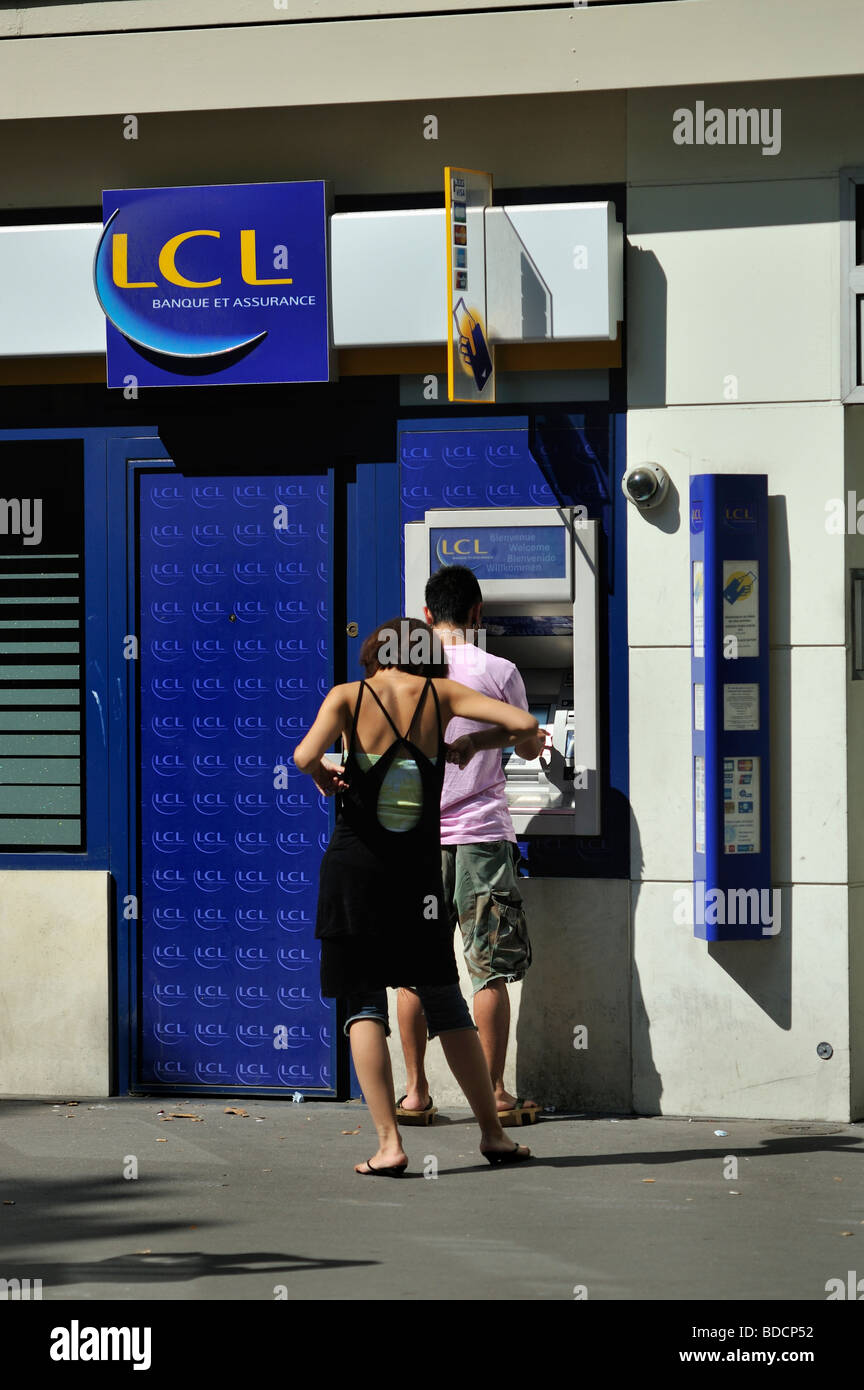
{"x":510,"y":724}
{"x":329,"y":724}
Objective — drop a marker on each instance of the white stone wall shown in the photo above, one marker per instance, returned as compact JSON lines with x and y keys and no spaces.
{"x":55,"y":983}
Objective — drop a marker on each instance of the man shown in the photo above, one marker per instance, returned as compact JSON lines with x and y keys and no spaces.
{"x":478,"y":851}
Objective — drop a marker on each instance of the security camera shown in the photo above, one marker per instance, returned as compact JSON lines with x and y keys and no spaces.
{"x":646,"y":485}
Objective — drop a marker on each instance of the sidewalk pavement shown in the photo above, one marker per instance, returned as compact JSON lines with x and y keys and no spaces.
{"x":237,"y":1207}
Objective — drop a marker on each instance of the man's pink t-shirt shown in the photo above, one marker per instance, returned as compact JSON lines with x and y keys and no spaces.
{"x":473,"y":798}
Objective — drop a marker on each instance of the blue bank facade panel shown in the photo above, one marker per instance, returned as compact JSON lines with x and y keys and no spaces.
{"x":221,"y":605}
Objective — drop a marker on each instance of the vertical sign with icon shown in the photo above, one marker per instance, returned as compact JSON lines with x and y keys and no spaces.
{"x":730,"y":707}
{"x":470,"y":356}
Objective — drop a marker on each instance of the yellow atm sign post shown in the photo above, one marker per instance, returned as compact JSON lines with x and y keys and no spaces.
{"x":470,"y":355}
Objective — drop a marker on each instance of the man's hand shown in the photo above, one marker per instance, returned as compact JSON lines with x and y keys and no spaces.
{"x":329,"y":779}
{"x":461,"y":750}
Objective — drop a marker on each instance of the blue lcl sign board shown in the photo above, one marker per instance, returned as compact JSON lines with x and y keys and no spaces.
{"x":732,"y":895}
{"x":223,"y":284}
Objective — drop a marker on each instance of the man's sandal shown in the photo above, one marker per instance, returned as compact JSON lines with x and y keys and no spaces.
{"x":415,"y":1117}
{"x":520,"y":1114}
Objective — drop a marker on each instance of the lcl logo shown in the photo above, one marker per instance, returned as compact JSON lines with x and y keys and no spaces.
{"x":250,"y":533}
{"x":294,"y":958}
{"x":210,"y":918}
{"x":211,"y":880}
{"x":209,"y":649}
{"x":250,"y":494}
{"x":292,"y":649}
{"x":250,"y":571}
{"x":168,"y":725}
{"x":211,"y":841}
{"x":212,"y":996}
{"x":294,"y":996}
{"x":209,"y":610}
{"x":167,"y":572}
{"x":208,"y":533}
{"x":252,"y":1035}
{"x":210,"y":764}
{"x":212,"y":957}
{"x":250,"y":610}
{"x":167,"y":534}
{"x":292,"y":571}
{"x":293,"y":880}
{"x":169,"y":995}
{"x":169,"y":957}
{"x":168,"y":841}
{"x":252,"y":997}
{"x":166,"y":610}
{"x":251,"y":841}
{"x":168,"y":880}
{"x":168,"y":687}
{"x":250,"y":764}
{"x":170,"y":1034}
{"x":212,"y":1072}
{"x":168,"y":803}
{"x":211,"y":1034}
{"x":167,"y":764}
{"x":209,"y":687}
{"x":167,"y":649}
{"x":251,"y":918}
{"x":292,"y":610}
{"x":207,"y":495}
{"x":251,"y":881}
{"x":171,"y":1070}
{"x":169,"y":918}
{"x":209,"y":572}
{"x":250,"y":648}
{"x":253,"y":1073}
{"x":165,"y":495}
{"x":210,"y":725}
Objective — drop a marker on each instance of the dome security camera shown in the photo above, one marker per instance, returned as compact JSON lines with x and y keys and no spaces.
{"x":646,"y":485}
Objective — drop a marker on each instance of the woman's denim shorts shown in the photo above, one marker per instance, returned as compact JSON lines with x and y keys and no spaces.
{"x":443,"y":1005}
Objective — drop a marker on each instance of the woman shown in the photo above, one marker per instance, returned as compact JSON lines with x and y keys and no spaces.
{"x":381,"y":918}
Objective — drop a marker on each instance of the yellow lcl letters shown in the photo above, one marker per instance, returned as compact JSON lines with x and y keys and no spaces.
{"x":120,"y":263}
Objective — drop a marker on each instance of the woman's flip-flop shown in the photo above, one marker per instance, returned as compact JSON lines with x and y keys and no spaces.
{"x":520,"y":1114}
{"x":507,"y":1156}
{"x":395,"y":1172}
{"x":416,"y":1117}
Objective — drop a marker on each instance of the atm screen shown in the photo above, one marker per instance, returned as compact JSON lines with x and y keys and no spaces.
{"x":540,"y":712}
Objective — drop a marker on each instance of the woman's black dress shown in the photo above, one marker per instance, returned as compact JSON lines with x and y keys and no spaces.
{"x":381,"y":916}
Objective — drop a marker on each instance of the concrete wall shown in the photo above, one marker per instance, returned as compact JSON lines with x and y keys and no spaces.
{"x":55,"y":983}
{"x":734,"y":366}
{"x":854,"y":549}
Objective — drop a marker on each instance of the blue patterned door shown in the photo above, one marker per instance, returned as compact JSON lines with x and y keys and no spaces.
{"x":234,"y":657}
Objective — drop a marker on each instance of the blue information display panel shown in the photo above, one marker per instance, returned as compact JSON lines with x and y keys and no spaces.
{"x":732,"y":895}
{"x":233,"y":662}
{"x":519,"y":552}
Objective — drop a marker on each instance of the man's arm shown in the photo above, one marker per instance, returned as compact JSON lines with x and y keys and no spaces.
{"x":514,"y":693}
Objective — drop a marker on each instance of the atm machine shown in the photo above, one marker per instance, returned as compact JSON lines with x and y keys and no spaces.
{"x":537,"y":569}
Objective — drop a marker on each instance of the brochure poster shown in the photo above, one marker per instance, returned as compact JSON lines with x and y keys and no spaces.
{"x":698,"y":610}
{"x":741,"y":805}
{"x":699,"y":707}
{"x":741,"y":607}
{"x":470,"y":356}
{"x":699,"y":801}
{"x":741,"y":707}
